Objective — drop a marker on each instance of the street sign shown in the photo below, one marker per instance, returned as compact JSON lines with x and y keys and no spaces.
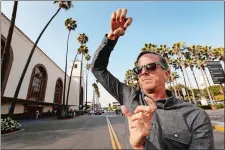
{"x":216,"y":71}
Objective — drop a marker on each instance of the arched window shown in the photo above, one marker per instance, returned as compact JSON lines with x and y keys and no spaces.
{"x":7,"y":64}
{"x":38,"y":83}
{"x":58,"y":91}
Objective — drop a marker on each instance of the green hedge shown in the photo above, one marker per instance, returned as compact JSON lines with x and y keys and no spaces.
{"x":218,"y":106}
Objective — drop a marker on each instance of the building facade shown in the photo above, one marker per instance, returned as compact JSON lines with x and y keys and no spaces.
{"x":42,"y":87}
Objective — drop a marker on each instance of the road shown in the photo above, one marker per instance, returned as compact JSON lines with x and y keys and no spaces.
{"x":216,"y":115}
{"x":85,"y":132}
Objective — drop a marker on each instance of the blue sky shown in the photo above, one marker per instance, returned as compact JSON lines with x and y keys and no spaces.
{"x":155,"y":22}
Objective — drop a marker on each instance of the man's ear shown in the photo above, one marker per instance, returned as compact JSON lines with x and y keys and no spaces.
{"x":167,"y":74}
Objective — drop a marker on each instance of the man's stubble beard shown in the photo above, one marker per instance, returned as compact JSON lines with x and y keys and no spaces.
{"x":149,"y":91}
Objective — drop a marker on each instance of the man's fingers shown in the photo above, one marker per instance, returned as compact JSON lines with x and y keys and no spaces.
{"x":118,"y":13}
{"x":113,"y":17}
{"x":151,"y":103}
{"x":126,"y":112}
{"x":119,"y":32}
{"x":143,"y":109}
{"x":123,"y":14}
{"x":128,"y":22}
{"x":137,"y":116}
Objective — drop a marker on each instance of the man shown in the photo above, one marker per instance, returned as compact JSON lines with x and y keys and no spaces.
{"x":37,"y":114}
{"x":156,"y":119}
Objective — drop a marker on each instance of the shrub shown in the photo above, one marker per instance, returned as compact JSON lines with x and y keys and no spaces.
{"x":218,"y":106}
{"x":219,"y":97}
{"x":9,"y":125}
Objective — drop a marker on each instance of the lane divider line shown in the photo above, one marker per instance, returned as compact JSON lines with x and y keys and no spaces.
{"x":111,"y":135}
{"x":114,"y":135}
{"x":218,"y":128}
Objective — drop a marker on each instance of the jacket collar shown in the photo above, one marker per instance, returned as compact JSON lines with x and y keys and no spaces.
{"x":164,"y":103}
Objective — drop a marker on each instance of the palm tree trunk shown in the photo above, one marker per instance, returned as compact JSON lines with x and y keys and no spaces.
{"x":193,"y":95}
{"x":185,"y":85}
{"x":221,"y":89}
{"x":201,"y":93}
{"x":93,"y":100}
{"x":174,"y":88}
{"x":170,"y":84}
{"x":212,"y":95}
{"x":195,"y":78}
{"x":68,"y":91}
{"x":86,"y":85}
{"x":210,"y":98}
{"x":64,"y":87}
{"x":11,"y":111}
{"x":81,"y":69}
{"x":9,"y":39}
{"x":178,"y":91}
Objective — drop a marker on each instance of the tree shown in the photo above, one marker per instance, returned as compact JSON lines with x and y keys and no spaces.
{"x":96,"y":93}
{"x":71,"y":26}
{"x":81,"y":49}
{"x":62,"y":5}
{"x":174,"y":76}
{"x":131,"y":79}
{"x":179,"y":50}
{"x":177,"y":64}
{"x":82,"y":39}
{"x":196,"y":54}
{"x":8,"y":40}
{"x":87,"y":58}
{"x":218,"y":53}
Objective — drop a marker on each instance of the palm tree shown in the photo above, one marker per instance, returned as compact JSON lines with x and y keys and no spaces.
{"x":8,"y":40}
{"x":82,"y":49}
{"x":218,"y":53}
{"x":87,"y":58}
{"x":179,"y":49}
{"x":131,"y":79}
{"x":192,"y":63}
{"x":196,"y":52}
{"x":188,"y":56}
{"x":96,"y":93}
{"x":62,"y":5}
{"x":149,"y":47}
{"x":82,"y":39}
{"x":207,"y":55}
{"x":177,"y":64}
{"x":174,"y":77}
{"x":169,"y":82}
{"x":71,"y":26}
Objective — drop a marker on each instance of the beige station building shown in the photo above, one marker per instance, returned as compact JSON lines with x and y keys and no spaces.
{"x":42,"y":86}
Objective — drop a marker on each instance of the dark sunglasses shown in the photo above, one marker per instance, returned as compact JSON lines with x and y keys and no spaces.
{"x":149,"y":67}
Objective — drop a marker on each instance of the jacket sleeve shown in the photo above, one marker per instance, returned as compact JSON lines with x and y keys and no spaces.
{"x":99,"y":69}
{"x":202,"y":132}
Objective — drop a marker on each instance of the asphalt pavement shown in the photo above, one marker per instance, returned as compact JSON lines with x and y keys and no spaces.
{"x":85,"y":132}
{"x":216,"y":115}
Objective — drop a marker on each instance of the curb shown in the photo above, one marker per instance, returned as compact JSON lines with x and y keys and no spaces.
{"x":12,"y":132}
{"x":218,"y":128}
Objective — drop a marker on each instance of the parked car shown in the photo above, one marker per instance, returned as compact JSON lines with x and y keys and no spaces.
{"x":102,"y":111}
{"x":97,"y":112}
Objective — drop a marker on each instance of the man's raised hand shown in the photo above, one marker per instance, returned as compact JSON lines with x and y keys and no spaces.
{"x":118,"y":24}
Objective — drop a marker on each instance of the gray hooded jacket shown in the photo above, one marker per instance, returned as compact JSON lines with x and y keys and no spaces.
{"x":177,"y":125}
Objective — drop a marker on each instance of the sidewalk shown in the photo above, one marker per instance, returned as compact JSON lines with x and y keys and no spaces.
{"x":217,"y":118}
{"x":219,"y":126}
{"x":40,"y":119}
